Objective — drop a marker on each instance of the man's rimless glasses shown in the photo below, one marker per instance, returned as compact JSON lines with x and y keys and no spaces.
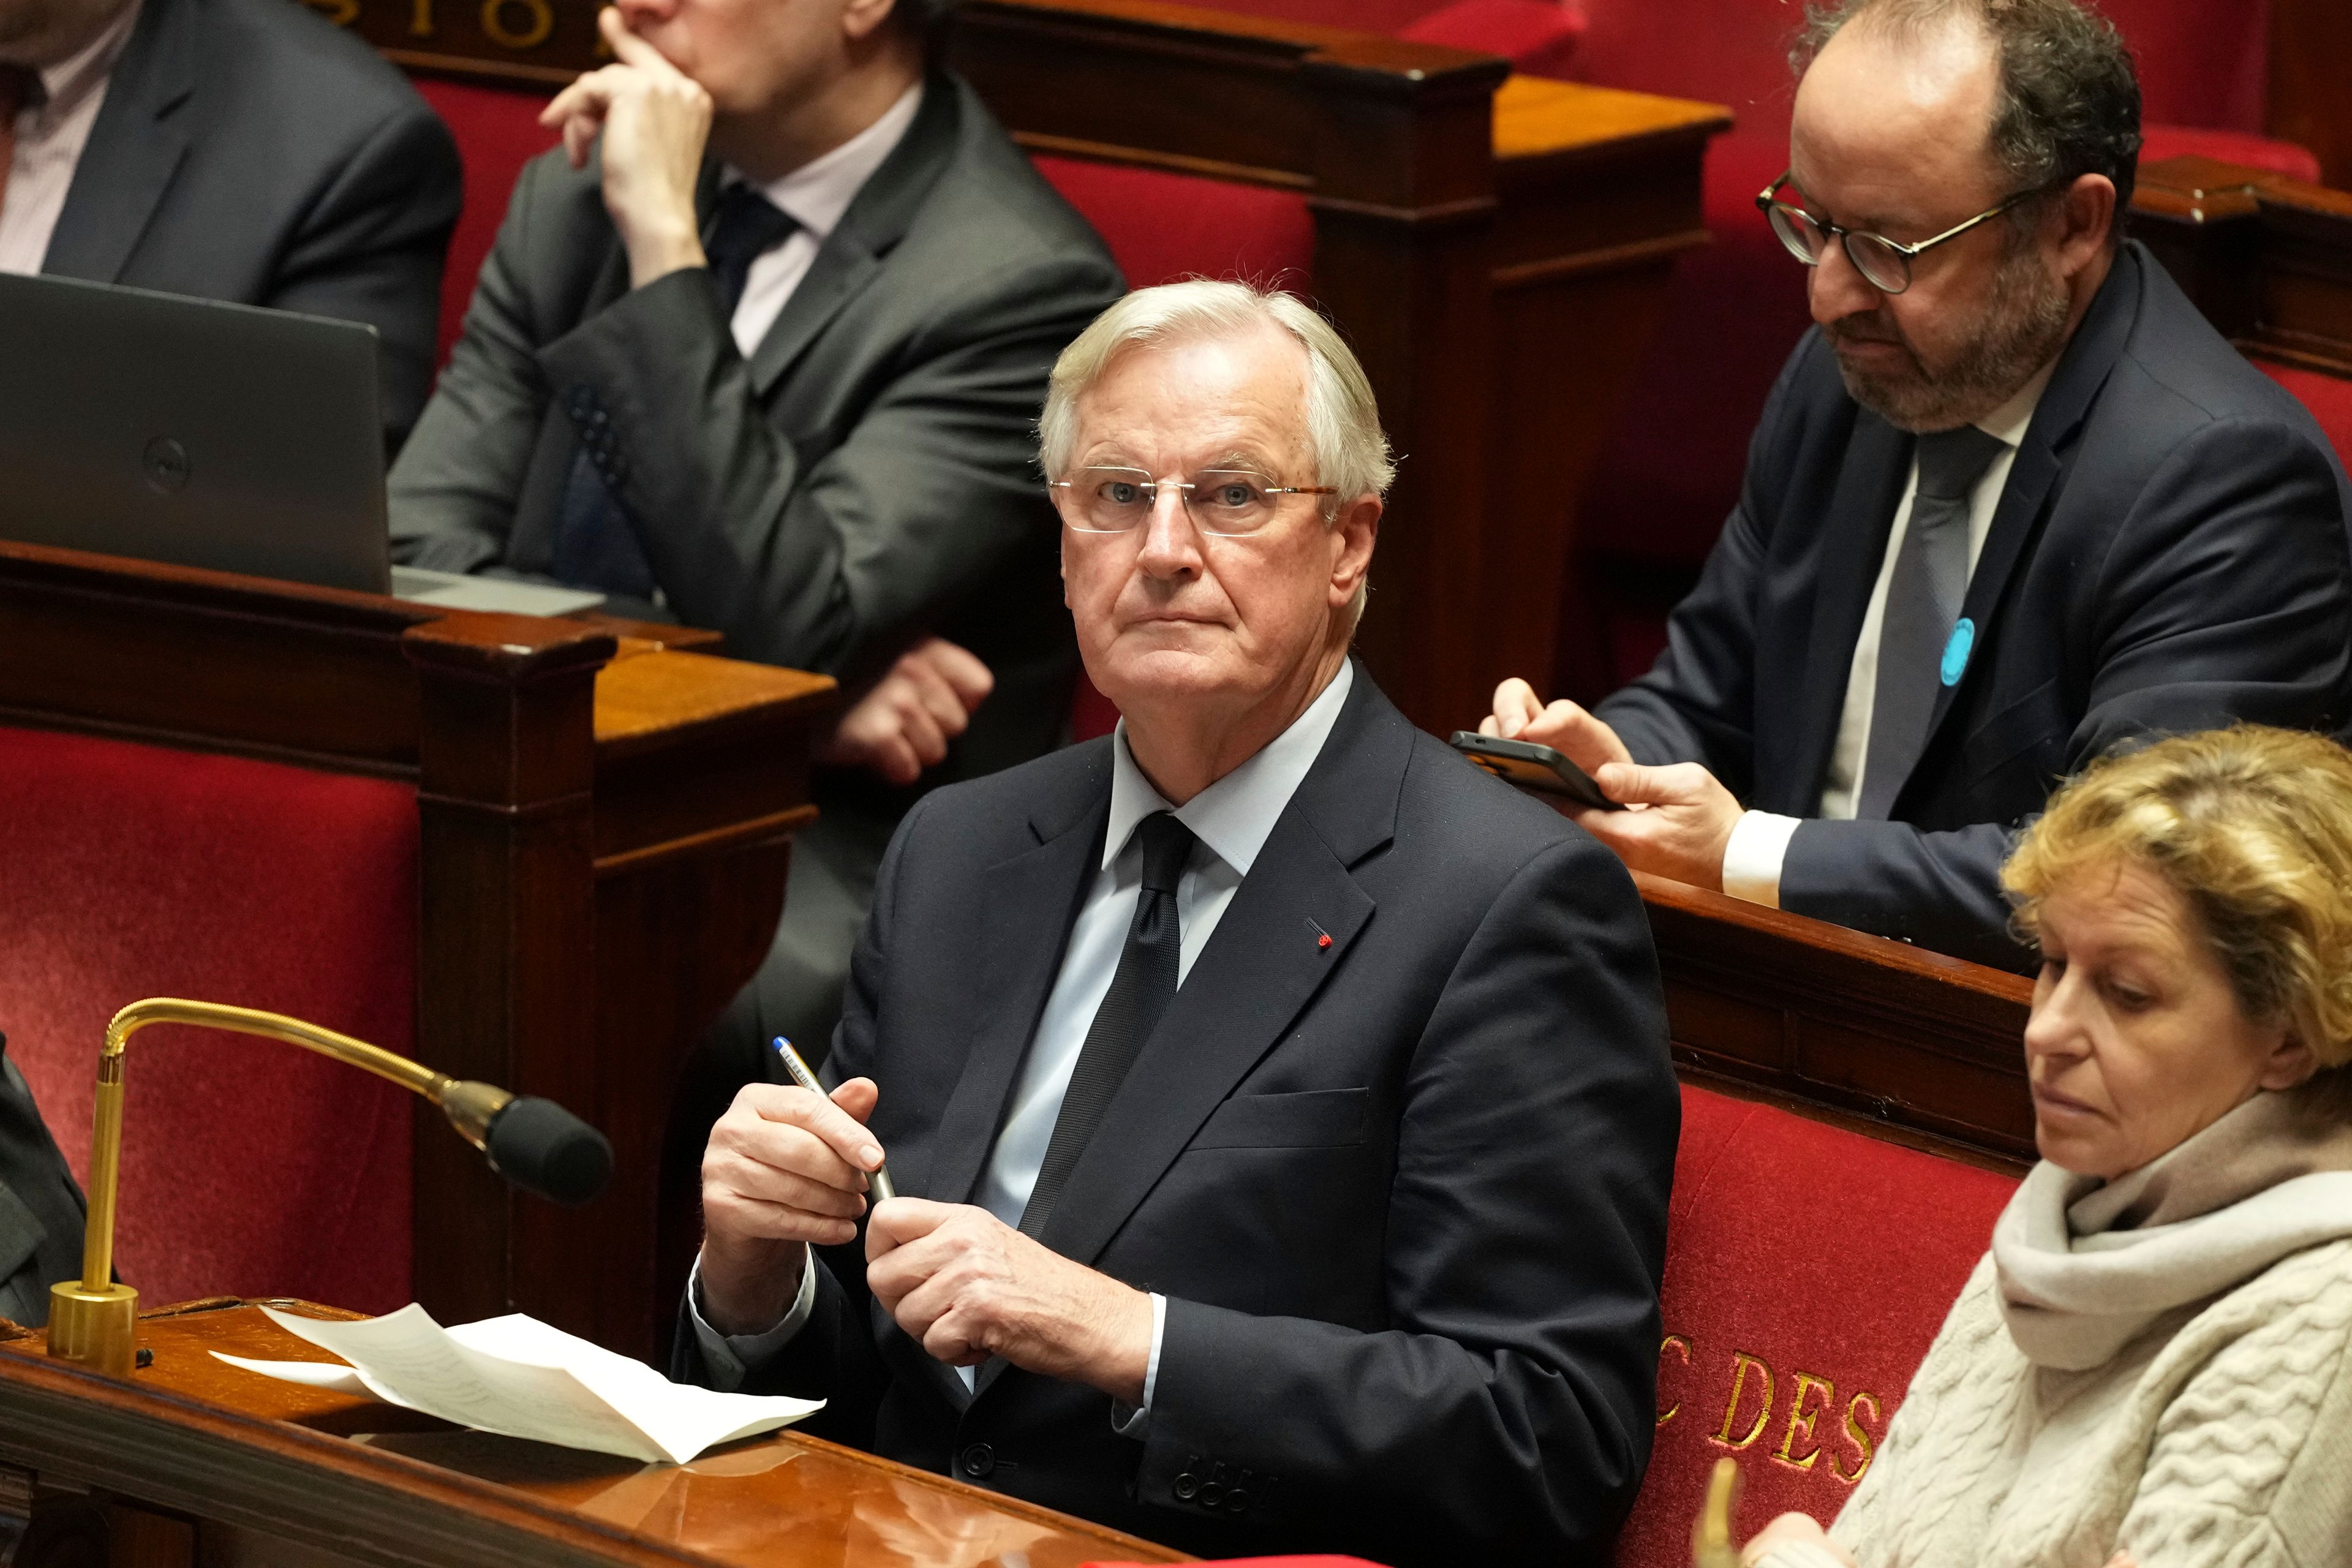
{"x":1219,"y":501}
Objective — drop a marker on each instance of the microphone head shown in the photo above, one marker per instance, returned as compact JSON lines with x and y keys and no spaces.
{"x":545,"y":1149}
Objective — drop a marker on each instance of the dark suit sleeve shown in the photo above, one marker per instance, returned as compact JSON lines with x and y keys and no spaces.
{"x":834,"y":1358}
{"x":826,"y":565}
{"x":1696,"y":703}
{"x":371,"y":249}
{"x":1506,"y":1412}
{"x":2225,"y":595}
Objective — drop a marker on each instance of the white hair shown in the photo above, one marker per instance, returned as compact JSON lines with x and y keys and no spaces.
{"x":1343,"y":419}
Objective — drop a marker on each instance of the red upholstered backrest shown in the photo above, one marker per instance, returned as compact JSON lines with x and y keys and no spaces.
{"x":1161,"y":227}
{"x":498,"y":132}
{"x":2329,"y":398}
{"x":127,"y":870}
{"x":1807,"y":1269}
{"x":2200,"y":63}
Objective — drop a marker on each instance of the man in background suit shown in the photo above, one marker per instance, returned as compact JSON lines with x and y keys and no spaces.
{"x":40,"y":1207}
{"x":758,"y":350}
{"x":2013,"y":501}
{"x":237,"y":150}
{"x":1279,"y":1107}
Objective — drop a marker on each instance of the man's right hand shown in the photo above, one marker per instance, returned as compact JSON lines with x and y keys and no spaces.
{"x":655,"y":120}
{"x":1563,"y":726}
{"x":784,"y":1168}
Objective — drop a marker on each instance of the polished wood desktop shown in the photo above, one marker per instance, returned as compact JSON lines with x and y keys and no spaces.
{"x":191,"y":1461}
{"x":1907,"y":1045}
{"x":605,"y":827}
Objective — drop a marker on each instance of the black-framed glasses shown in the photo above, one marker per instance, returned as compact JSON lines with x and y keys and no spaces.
{"x":1884,"y":263}
{"x":1219,"y":501}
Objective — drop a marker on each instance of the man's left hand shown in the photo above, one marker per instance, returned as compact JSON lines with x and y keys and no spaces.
{"x":966,"y":1286}
{"x":1681,"y":821}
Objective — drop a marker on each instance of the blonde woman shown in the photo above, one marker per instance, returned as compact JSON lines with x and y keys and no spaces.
{"x":2148,"y":1365}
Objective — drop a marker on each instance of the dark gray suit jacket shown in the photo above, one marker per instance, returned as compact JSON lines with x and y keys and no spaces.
{"x":865,"y":479}
{"x":250,"y":150}
{"x":2169,"y":554}
{"x":40,"y":1207}
{"x":1406,"y":1195}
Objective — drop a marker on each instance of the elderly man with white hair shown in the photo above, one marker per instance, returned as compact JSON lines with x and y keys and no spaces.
{"x":1278,"y":1109}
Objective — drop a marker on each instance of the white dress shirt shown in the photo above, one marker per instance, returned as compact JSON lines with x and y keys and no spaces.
{"x":50,"y":139}
{"x":813,"y":196}
{"x":1760,"y":840}
{"x":1230,"y":819}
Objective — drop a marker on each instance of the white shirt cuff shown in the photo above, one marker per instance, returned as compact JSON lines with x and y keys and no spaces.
{"x":732,"y":1358}
{"x":1130,"y":1420}
{"x":1752,"y":855}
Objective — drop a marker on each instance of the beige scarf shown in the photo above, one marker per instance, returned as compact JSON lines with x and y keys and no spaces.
{"x":2087,"y":1265}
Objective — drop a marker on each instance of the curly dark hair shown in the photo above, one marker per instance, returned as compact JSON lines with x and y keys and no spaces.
{"x":2069,"y":97}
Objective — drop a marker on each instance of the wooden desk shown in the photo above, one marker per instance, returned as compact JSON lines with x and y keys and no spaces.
{"x":605,"y":827}
{"x":197,"y":1461}
{"x":2267,"y":258}
{"x":1901,"y":1043}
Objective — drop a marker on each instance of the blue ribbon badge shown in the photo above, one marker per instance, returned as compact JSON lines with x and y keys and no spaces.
{"x":1956,"y":651}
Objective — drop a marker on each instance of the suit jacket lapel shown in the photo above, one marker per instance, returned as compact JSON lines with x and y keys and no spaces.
{"x":1257,"y":972}
{"x":2066,"y":403}
{"x":851,"y":256}
{"x":1853,"y":547}
{"x":134,"y":149}
{"x":1030,"y":894}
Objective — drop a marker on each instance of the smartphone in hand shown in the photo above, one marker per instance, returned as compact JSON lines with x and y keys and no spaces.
{"x":1540,"y":769}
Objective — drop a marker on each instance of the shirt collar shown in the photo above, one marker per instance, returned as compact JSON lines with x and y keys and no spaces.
{"x":71,"y":80}
{"x":2007,"y":422}
{"x":816,"y":195}
{"x":1235,"y":816}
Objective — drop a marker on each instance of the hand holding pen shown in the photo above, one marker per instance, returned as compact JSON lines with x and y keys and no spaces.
{"x":880,"y":1179}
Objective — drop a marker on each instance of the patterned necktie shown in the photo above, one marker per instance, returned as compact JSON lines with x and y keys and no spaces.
{"x":20,"y":89}
{"x":1139,"y":992}
{"x":594,"y":545}
{"x":1923,"y":602}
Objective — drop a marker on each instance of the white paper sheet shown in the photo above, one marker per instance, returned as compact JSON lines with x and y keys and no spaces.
{"x":517,"y":1376}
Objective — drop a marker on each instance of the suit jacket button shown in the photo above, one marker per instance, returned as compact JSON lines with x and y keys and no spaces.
{"x":977,"y":1460}
{"x":1187,"y":1486}
{"x":1237,"y":1501}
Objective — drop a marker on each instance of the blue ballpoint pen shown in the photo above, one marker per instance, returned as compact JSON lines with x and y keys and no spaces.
{"x":880,"y":1179}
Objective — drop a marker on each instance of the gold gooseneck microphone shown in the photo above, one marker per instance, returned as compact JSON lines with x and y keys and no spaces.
{"x":534,"y":1143}
{"x":1713,"y":1543}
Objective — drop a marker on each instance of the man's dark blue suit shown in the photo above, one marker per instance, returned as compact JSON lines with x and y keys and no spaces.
{"x":2169,"y":553}
{"x":1405,"y":1193}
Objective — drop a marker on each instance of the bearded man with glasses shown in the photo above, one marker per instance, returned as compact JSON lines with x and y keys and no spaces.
{"x":2013,"y":502}
{"x":1278,"y":1107}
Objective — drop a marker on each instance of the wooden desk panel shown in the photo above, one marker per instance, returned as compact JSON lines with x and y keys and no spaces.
{"x":605,"y":827}
{"x":252,"y":1470}
{"x":1905,"y":1044}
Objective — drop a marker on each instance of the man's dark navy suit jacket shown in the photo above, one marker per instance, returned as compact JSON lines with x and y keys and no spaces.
{"x":1406,"y":1193}
{"x":2169,"y":554}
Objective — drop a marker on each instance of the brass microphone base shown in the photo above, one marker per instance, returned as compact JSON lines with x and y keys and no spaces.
{"x":97,"y":1329}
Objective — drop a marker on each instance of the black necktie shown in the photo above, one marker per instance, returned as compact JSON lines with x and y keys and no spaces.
{"x":1923,"y":602}
{"x":594,"y":545}
{"x":1139,"y":992}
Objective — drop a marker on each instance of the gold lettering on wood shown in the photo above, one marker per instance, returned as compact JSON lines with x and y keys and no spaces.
{"x":1672,"y":1343}
{"x":1860,"y":1435}
{"x":1800,"y":1418}
{"x":420,"y":18}
{"x":1742,"y":1361}
{"x":341,"y":13}
{"x":494,"y":23}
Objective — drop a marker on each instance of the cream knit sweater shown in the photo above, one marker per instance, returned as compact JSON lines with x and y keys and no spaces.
{"x":2185,"y":1397}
